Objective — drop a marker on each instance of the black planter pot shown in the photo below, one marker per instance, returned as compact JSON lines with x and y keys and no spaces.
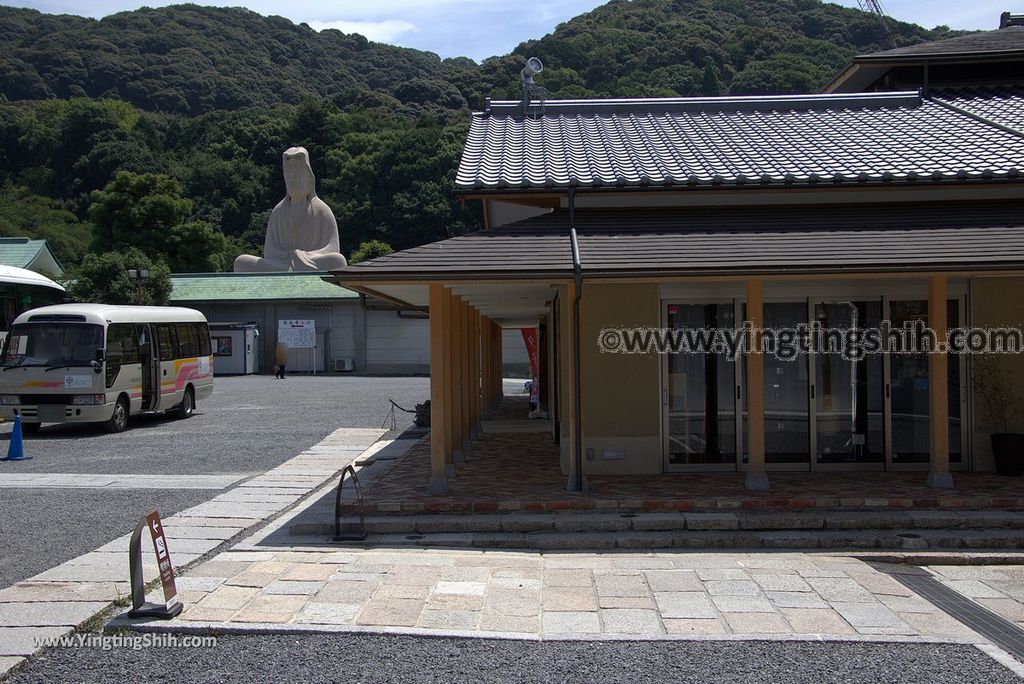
{"x":1008,"y":453}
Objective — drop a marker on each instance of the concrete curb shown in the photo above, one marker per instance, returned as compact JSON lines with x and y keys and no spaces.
{"x":215,"y":628}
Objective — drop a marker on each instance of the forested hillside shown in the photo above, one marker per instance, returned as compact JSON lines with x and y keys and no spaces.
{"x":192,"y":106}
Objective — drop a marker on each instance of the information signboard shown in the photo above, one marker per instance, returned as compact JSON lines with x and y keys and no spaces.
{"x":297,"y":333}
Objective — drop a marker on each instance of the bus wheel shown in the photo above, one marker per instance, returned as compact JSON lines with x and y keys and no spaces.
{"x":118,"y":422}
{"x":31,"y":428}
{"x":187,"y":405}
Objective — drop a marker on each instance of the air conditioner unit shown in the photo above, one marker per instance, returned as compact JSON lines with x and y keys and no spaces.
{"x":342,"y":365}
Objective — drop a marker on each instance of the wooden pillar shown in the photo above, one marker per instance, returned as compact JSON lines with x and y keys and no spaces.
{"x":440,"y":426}
{"x":499,"y":371}
{"x":455,"y":355}
{"x":474,"y":375}
{"x":757,"y":477}
{"x":485,"y":366}
{"x":938,"y":387}
{"x":465,"y":370}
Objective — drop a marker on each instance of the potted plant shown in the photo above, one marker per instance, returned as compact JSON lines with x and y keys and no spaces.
{"x":997,"y":398}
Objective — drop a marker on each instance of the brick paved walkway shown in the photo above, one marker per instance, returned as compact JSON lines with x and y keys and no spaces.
{"x":520,"y":471}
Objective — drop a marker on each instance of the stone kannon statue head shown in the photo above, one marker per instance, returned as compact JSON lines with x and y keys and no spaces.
{"x":302,"y":234}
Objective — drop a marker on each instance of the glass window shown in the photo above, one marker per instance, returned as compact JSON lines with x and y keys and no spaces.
{"x":56,"y":345}
{"x":203,"y":332}
{"x":122,"y":349}
{"x":188,"y":341}
{"x":702,"y":407}
{"x":167,"y":341}
{"x":222,"y":346}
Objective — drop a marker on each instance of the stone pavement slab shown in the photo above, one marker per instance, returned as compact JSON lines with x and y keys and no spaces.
{"x":571,"y":622}
{"x":632,"y":621}
{"x":651,"y":595}
{"x":24,"y":641}
{"x":118,"y":481}
{"x":48,"y":614}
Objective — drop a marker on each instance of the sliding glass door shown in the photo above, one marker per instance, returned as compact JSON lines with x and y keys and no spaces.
{"x":848,"y":393}
{"x":701,"y":394}
{"x":829,"y":411}
{"x":908,"y":389}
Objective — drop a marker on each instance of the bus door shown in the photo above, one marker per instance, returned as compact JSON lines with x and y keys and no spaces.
{"x":150,"y":368}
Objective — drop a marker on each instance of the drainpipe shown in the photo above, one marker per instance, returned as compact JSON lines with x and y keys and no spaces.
{"x":576,"y":483}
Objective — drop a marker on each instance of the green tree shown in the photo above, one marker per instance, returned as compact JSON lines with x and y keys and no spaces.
{"x":148,"y":211}
{"x":103,"y":278}
{"x":371,"y":249}
{"x":711,"y":86}
{"x":25,"y":214}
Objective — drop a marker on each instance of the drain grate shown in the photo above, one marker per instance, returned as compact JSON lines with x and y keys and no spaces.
{"x":999,"y":630}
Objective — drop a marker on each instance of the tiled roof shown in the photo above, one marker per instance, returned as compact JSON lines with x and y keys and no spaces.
{"x":236,"y":287}
{"x":20,"y":252}
{"x":774,"y":141}
{"x":1008,"y":39}
{"x":695,"y":240}
{"x":1004,"y":105}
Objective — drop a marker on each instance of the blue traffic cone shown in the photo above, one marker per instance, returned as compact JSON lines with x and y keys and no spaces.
{"x":16,"y":447}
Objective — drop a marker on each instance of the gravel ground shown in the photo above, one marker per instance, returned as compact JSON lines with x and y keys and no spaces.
{"x":248,"y":426}
{"x":44,"y":527}
{"x":348,"y":658}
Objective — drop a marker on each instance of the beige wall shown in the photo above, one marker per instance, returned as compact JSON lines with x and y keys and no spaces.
{"x":621,"y":406}
{"x":997,"y":302}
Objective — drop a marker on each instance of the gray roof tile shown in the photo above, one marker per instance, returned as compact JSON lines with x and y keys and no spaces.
{"x":1005,"y":40}
{"x":861,"y":138}
{"x":1002,"y":105}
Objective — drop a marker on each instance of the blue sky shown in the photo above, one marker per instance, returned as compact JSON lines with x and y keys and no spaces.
{"x":481,"y":28}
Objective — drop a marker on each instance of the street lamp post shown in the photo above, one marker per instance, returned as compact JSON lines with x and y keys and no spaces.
{"x":139,"y":276}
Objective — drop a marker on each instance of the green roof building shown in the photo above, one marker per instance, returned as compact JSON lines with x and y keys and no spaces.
{"x":353,"y":332}
{"x":34,"y":255}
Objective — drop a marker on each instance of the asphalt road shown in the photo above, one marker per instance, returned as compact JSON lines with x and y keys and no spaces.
{"x":248,"y":426}
{"x":358,"y":658}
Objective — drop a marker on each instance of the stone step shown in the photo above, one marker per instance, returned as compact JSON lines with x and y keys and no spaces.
{"x":861,"y":540}
{"x":515,"y":523}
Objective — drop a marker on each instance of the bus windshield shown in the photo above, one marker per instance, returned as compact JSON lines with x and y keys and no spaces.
{"x":54,"y":345}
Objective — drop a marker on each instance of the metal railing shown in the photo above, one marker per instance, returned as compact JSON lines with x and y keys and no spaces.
{"x":359,"y":533}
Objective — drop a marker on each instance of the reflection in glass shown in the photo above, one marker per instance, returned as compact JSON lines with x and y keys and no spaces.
{"x":849,"y":393}
{"x":702,"y":411}
{"x":908,"y":377}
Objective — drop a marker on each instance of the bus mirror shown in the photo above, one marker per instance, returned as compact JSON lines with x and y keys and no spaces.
{"x":100,"y":356}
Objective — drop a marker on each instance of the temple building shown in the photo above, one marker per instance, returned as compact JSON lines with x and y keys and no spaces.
{"x":897,"y":195}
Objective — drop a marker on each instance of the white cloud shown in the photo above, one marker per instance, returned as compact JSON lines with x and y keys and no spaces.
{"x":386,"y":31}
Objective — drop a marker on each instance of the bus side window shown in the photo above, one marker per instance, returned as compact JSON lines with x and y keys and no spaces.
{"x":188,"y":343}
{"x":203,"y":333}
{"x":168,"y":344}
{"x":122,"y":349}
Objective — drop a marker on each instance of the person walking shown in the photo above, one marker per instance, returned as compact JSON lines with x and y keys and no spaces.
{"x":281,"y":358}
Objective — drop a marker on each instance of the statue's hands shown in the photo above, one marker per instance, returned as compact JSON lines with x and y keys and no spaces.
{"x":301,"y":261}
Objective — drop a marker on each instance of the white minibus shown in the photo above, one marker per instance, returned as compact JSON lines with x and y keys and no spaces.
{"x":100,"y":363}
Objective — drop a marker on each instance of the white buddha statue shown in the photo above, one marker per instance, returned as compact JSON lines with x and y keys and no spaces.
{"x":302,"y":234}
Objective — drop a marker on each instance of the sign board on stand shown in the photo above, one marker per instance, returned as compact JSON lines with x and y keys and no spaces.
{"x":171,"y":606}
{"x":298,"y":333}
